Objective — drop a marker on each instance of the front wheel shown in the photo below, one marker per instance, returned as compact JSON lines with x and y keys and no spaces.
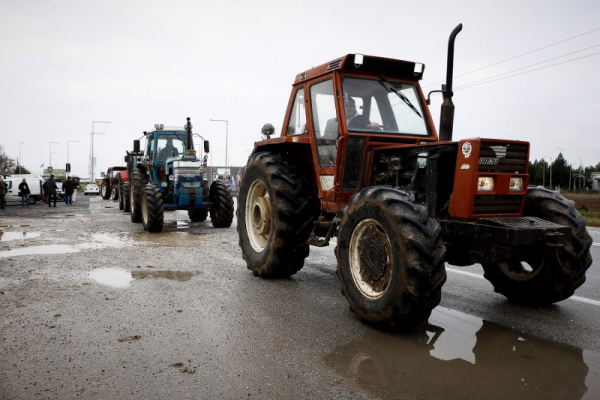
{"x":390,"y":258}
{"x":198,"y":215}
{"x":544,"y":281}
{"x":275,"y":216}
{"x":221,"y":213}
{"x":152,"y":208}
{"x":121,"y":205}
{"x":138,"y":180}
{"x":114,"y":194}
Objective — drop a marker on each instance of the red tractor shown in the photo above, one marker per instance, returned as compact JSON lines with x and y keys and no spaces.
{"x":110,"y":183}
{"x":359,"y":158}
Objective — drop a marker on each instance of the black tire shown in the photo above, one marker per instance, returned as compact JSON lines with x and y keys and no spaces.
{"x":125,"y":197}
{"x":121,"y":205}
{"x":275,"y":222}
{"x":114,"y":194}
{"x":390,"y":258}
{"x":105,"y":191}
{"x":546,"y":281}
{"x":221,"y":212}
{"x":138,"y":181}
{"x":198,"y":215}
{"x":152,"y":208}
{"x":32,"y":200}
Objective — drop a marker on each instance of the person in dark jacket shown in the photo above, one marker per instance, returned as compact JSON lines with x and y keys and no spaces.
{"x":51,"y":186}
{"x":68,"y":187}
{"x":24,"y":192}
{"x":3,"y":189}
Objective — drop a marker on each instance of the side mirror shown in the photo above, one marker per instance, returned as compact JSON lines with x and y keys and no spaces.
{"x":125,"y":158}
{"x":68,"y":168}
{"x":206,"y":146}
{"x":136,"y":146}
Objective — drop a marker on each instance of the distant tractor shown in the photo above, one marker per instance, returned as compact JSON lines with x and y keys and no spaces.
{"x":110,"y":183}
{"x":132,"y":159}
{"x":359,"y":159}
{"x":170,"y":176}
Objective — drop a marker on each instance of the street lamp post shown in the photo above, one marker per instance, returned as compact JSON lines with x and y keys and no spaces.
{"x":50,"y":153}
{"x":20,"y":160}
{"x":92,"y":149}
{"x":226,"y":135}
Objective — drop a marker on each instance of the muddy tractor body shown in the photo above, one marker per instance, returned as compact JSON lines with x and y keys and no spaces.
{"x":110,"y":183}
{"x":359,"y":159}
{"x":169,"y":176}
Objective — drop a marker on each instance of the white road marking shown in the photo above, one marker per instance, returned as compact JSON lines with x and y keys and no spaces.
{"x":595,"y":244}
{"x":472,"y":275}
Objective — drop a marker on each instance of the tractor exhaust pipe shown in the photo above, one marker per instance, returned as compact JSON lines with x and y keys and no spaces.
{"x":447,"y":114}
{"x":188,"y":129}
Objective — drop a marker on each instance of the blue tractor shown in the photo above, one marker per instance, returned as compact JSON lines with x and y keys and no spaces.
{"x":170,"y":176}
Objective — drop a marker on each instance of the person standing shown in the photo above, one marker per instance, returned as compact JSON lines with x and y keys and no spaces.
{"x":51,"y":185}
{"x":3,"y":189}
{"x":68,"y":187}
{"x":24,"y":192}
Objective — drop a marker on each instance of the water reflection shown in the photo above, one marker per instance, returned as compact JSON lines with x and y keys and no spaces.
{"x":459,"y":356}
{"x":7,"y":236}
{"x":120,"y":279}
{"x":36,"y":250}
{"x":175,"y":275}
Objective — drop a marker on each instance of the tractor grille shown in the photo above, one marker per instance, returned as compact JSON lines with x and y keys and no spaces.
{"x":497,"y":204}
{"x":499,"y":157}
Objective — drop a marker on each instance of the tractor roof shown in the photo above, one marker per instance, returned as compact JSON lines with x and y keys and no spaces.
{"x":378,"y":65}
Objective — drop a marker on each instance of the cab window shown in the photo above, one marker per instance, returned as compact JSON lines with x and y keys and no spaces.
{"x":325,"y":123}
{"x":297,"y":122}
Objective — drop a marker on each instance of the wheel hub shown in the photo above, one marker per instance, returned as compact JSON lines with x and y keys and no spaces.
{"x":373,"y":258}
{"x":261,"y":216}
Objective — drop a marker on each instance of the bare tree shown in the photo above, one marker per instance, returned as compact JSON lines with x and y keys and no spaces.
{"x":7,"y":164}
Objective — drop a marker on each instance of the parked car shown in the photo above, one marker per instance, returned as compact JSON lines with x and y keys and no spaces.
{"x":91,"y":189}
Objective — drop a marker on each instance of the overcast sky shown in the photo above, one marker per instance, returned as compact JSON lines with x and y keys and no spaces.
{"x":64,"y":64}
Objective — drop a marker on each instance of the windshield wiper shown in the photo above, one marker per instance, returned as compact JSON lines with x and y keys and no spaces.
{"x":403,"y":97}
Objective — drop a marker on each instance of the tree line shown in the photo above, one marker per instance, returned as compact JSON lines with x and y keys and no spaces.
{"x":564,"y":175}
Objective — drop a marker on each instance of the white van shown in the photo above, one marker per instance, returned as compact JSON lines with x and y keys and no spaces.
{"x":35,"y":187}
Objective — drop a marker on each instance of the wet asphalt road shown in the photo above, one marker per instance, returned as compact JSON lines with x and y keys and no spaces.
{"x":93,"y":307}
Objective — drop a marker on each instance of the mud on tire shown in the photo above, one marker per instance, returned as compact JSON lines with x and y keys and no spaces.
{"x":275,"y":216}
{"x":221,"y":213}
{"x":138,"y":181}
{"x":549,"y":280}
{"x":152,"y":208}
{"x":390,"y":258}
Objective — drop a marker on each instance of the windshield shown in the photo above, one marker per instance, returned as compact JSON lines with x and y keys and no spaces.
{"x":170,"y":146}
{"x":379,"y":105}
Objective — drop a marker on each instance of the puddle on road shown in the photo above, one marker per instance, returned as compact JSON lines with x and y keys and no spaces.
{"x":36,"y":250}
{"x":456,"y":355}
{"x":112,"y":277}
{"x":101,"y":241}
{"x":7,"y":236}
{"x":175,"y":275}
{"x":119,"y":279}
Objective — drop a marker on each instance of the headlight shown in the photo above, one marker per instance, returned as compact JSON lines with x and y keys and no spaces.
{"x":171,"y":177}
{"x":516,"y":184}
{"x":485,"y":184}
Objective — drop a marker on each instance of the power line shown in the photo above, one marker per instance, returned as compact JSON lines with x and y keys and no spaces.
{"x":528,"y":66}
{"x":526,"y":72}
{"x":520,"y":55}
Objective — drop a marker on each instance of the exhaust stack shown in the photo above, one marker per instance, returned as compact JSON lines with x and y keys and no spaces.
{"x":447,"y":113}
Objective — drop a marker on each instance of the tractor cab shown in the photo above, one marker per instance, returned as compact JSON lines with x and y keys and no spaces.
{"x":344,"y":109}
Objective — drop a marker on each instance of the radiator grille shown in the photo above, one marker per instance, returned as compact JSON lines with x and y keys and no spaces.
{"x":501,"y":157}
{"x":497,"y":204}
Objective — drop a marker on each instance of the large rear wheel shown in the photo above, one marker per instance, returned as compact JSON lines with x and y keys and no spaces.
{"x":275,"y":216}
{"x":105,"y":191}
{"x":138,"y":180}
{"x":152,"y":208}
{"x":221,"y":213}
{"x":544,"y":281}
{"x":390,"y":258}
